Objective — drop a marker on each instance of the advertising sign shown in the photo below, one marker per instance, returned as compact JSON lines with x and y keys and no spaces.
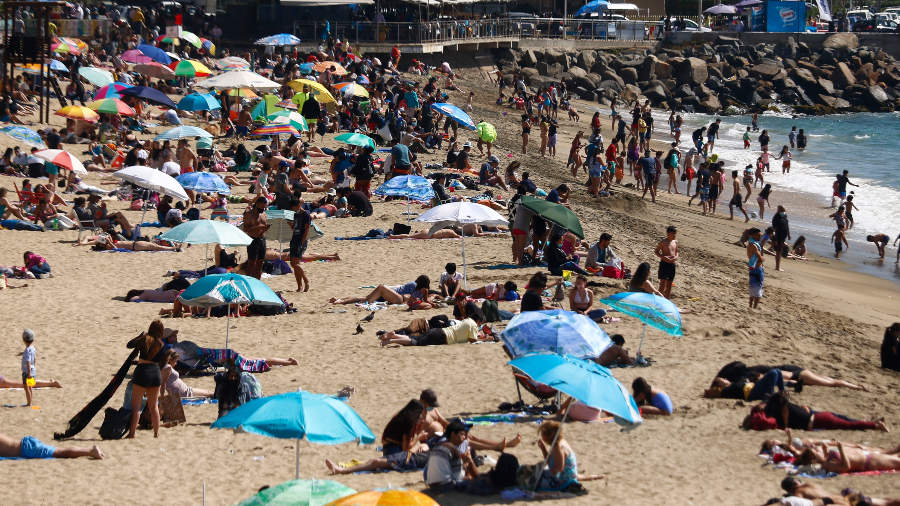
{"x":785,"y":16}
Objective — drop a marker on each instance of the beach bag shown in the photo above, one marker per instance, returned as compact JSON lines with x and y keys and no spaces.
{"x":491,"y":311}
{"x":611,"y":271}
{"x":137,"y":205}
{"x":116,"y":423}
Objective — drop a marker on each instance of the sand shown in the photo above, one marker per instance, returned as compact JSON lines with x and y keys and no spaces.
{"x":817,"y":314}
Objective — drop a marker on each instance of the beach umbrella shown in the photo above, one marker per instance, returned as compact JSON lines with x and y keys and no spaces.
{"x":242,"y":92}
{"x":282,"y":232}
{"x":149,"y":94}
{"x":461,"y":214}
{"x":411,"y":187}
{"x":299,"y":493}
{"x":658,"y":312}
{"x":275,"y":129}
{"x":721,"y":9}
{"x":190,"y":68}
{"x":111,"y":106}
{"x":198,"y":102}
{"x":282,"y":39}
{"x":111,"y":91}
{"x":362,"y":79}
{"x":78,"y":112}
{"x":584,"y":380}
{"x":239,"y":79}
{"x":203,"y":182}
{"x":352,"y":89}
{"x":182,"y":132}
{"x":456,"y":114}
{"x":287,"y":104}
{"x":355,"y":139}
{"x":191,"y":38}
{"x":167,"y":40}
{"x":154,"y":69}
{"x":153,"y":180}
{"x":207,"y":231}
{"x":322,"y":66}
{"x":36,"y":69}
{"x":58,"y":65}
{"x":173,"y":56}
{"x":748,"y":3}
{"x":228,"y":289}
{"x":386,"y":497}
{"x":208,"y":45}
{"x":135,"y":56}
{"x":234,"y":63}
{"x":64,"y":47}
{"x":80,"y":44}
{"x":321,"y":94}
{"x":156,"y":53}
{"x":291,"y":118}
{"x":593,"y":6}
{"x":322,"y":419}
{"x":24,"y":135}
{"x":62,"y":158}
{"x":306,"y":68}
{"x":555,"y":331}
{"x":96,"y":76}
{"x":555,"y":213}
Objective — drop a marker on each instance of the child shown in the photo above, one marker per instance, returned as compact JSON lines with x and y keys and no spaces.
{"x":793,"y":136}
{"x":28,"y":367}
{"x":849,"y":206}
{"x":747,"y":139}
{"x":573,"y":114}
{"x":837,"y":238}
{"x":469,"y":106}
{"x":786,"y":164}
{"x":765,"y":158}
{"x":613,"y":112}
{"x":450,"y":281}
{"x":758,"y":174}
{"x":620,"y":168}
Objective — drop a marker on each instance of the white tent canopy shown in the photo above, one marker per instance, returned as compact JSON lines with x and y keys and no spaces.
{"x":324,"y":3}
{"x":621,"y":7}
{"x":239,"y":79}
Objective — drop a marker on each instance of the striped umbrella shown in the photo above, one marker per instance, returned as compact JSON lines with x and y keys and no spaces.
{"x":111,"y":91}
{"x":64,"y":47}
{"x":282,"y":39}
{"x":135,"y":56}
{"x":352,"y":89}
{"x":190,"y":68}
{"x":190,"y":38}
{"x":182,"y":132}
{"x":63,"y":159}
{"x":208,"y":45}
{"x":111,"y":106}
{"x":154,"y":69}
{"x":234,"y":63}
{"x":165,"y":39}
{"x":287,"y":104}
{"x":289,"y":118}
{"x":78,"y":112}
{"x":339,"y":70}
{"x":276,"y":129}
{"x":24,"y":135}
{"x":80,"y":44}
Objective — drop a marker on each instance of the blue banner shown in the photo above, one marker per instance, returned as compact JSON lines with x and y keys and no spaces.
{"x":758,"y":18}
{"x":785,"y":16}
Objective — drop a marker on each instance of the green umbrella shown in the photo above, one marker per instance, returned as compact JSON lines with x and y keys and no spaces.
{"x":285,"y":117}
{"x":355,"y":139}
{"x":556,"y":213}
{"x":299,"y":493}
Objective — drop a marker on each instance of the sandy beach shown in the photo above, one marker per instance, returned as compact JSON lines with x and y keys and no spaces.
{"x":818,"y":314}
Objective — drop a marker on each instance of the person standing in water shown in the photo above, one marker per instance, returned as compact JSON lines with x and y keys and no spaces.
{"x":849,"y":206}
{"x":786,"y":157}
{"x":801,"y":140}
{"x":838,"y":238}
{"x":880,"y":241}
{"x":792,"y":137}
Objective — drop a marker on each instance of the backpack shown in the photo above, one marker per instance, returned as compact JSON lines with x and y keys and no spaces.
{"x":116,"y":423}
{"x":491,"y":311}
{"x":666,"y":163}
{"x":469,"y":183}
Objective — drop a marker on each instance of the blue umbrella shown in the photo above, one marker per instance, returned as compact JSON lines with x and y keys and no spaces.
{"x":24,"y":135}
{"x":653,"y":310}
{"x":203,"y":182}
{"x":207,"y":232}
{"x":221,"y":289}
{"x":456,"y":114}
{"x":151,"y":95}
{"x":282,"y":39}
{"x":156,"y":53}
{"x":594,"y":6}
{"x":58,"y":65}
{"x":306,"y":68}
{"x":181,"y":133}
{"x":199,"y":102}
{"x":411,"y":187}
{"x":555,"y":331}
{"x":319,"y":418}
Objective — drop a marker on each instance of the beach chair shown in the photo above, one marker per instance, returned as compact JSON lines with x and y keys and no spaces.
{"x":88,"y":225}
{"x":545,"y":395}
{"x":27,"y":197}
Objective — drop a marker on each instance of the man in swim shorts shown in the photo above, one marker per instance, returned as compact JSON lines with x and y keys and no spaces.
{"x":667,"y":251}
{"x":255,"y":226}
{"x":880,"y":241}
{"x":31,"y":448}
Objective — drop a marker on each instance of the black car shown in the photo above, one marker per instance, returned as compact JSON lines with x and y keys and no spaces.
{"x":875,"y":25}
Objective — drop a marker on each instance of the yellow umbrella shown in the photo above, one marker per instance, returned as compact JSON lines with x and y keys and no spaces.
{"x":386,"y":497}
{"x":319,"y":91}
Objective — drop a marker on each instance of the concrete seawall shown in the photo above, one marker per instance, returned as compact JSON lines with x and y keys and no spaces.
{"x":888,"y":42}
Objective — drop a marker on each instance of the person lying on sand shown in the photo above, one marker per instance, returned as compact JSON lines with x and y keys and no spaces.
{"x":811,"y":491}
{"x":796,"y":445}
{"x":495,"y":291}
{"x":465,"y":331}
{"x":106,"y":243}
{"x":790,"y":415}
{"x":447,"y":233}
{"x":8,"y":383}
{"x":400,"y":294}
{"x":435,"y":425}
{"x":30,"y":448}
{"x":793,"y":375}
{"x":858,"y":499}
{"x":848,"y":460}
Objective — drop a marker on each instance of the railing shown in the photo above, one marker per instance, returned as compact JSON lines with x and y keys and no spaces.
{"x":77,"y":28}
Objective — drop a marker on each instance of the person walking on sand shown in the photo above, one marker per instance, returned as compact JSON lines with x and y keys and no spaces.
{"x":300,"y":226}
{"x":782,"y":234}
{"x":672,"y":167}
{"x":29,"y":371}
{"x":736,"y":198}
{"x":755,"y":265}
{"x":667,"y":251}
{"x":839,"y":239}
{"x":648,"y":166}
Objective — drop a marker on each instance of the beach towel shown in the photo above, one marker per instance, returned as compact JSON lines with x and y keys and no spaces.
{"x":153,"y":224}
{"x":84,"y":417}
{"x":222,"y":356}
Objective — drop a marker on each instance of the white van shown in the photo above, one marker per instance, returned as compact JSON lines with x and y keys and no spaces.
{"x":860,"y":14}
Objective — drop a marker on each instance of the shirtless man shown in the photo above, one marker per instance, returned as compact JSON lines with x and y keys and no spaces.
{"x":30,"y":448}
{"x":255,"y":226}
{"x":423,"y":234}
{"x":736,"y":199}
{"x":615,"y":353}
{"x":435,"y":423}
{"x":187,"y":159}
{"x":667,"y":251}
{"x":880,"y":241}
{"x":243,"y":123}
{"x":811,"y":491}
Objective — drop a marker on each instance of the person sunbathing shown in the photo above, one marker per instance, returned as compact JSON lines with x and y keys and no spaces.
{"x":172,"y":381}
{"x":391,"y":294}
{"x":447,"y":233}
{"x":465,"y":331}
{"x":794,"y":376}
{"x":435,"y":425}
{"x":8,"y":383}
{"x":495,"y":291}
{"x":794,"y":416}
{"x":106,"y":243}
{"x":848,"y":460}
{"x":858,"y":499}
{"x":272,"y":254}
{"x":796,"y":445}
{"x":472,"y":230}
{"x":810,"y":491}
{"x":30,"y":448}
{"x":652,"y":400}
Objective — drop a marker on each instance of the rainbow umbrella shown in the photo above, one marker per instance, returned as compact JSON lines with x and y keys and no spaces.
{"x":242,"y":92}
{"x":80,"y":44}
{"x":111,"y":91}
{"x":167,"y":40}
{"x":355,"y":59}
{"x":154,"y":69}
{"x":234,"y":63}
{"x":78,"y":112}
{"x":190,"y":68}
{"x":135,"y":56}
{"x":208,"y":45}
{"x":276,"y":129}
{"x":64,"y":47}
{"x":288,"y":118}
{"x":352,"y":89}
{"x":62,"y":158}
{"x":339,"y":70}
{"x":386,"y":497}
{"x":111,"y":106}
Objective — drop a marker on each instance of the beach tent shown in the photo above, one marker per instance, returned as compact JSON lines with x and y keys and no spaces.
{"x":268,"y":105}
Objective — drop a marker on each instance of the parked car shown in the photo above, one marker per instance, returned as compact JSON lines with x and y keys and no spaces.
{"x":690,"y":25}
{"x":527,"y":22}
{"x":875,"y":26}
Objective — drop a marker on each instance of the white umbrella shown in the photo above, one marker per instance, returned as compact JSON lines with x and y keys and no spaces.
{"x":239,"y":79}
{"x":62,"y":158}
{"x":461,"y":214}
{"x":153,"y":180}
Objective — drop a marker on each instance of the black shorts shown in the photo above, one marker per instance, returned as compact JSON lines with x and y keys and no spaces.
{"x":257,"y":249}
{"x":713,"y":192}
{"x":298,"y":249}
{"x":736,"y":201}
{"x":147,"y":376}
{"x":433,"y":337}
{"x":620,"y":137}
{"x":666,"y":271}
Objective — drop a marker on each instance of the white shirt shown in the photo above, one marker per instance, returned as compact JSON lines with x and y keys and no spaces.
{"x":142,"y":154}
{"x":456,"y":277}
{"x":171,"y":168}
{"x":79,"y":12}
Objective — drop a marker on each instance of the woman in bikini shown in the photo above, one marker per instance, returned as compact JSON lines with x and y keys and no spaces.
{"x":526,"y":131}
{"x":106,"y":243}
{"x":575,"y":155}
{"x":7,"y":209}
{"x":172,"y":382}
{"x":844,"y":459}
{"x":447,"y":233}
{"x":581,"y":300}
{"x":417,"y":290}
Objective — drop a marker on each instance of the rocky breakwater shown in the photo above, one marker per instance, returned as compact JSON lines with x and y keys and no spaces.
{"x":727,"y":77}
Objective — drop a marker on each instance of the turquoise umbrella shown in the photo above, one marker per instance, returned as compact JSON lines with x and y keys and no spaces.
{"x":221,"y":289}
{"x":96,"y":76}
{"x":24,"y":135}
{"x":198,"y":102}
{"x":322,"y":419}
{"x":299,"y":493}
{"x":555,"y":331}
{"x":203,"y":182}
{"x":207,"y":232}
{"x":658,"y":312}
{"x":182,"y":132}
{"x":356,"y":139}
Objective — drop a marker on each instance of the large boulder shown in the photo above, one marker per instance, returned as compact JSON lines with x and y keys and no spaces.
{"x":610,"y":85}
{"x":529,"y":59}
{"x":814,"y":70}
{"x":841,"y":75}
{"x":841,"y":41}
{"x":691,"y":71}
{"x":711,"y":103}
{"x":876,"y":95}
{"x":612,"y":76}
{"x":542,"y":68}
{"x":529,"y":72}
{"x":584,"y":82}
{"x":551,"y":55}
{"x":577,"y":71}
{"x":632,"y":61}
{"x":630,"y":93}
{"x":507,"y":54}
{"x":656,"y":94}
{"x":629,"y":75}
{"x":826,"y":86}
{"x":767,"y":72}
{"x":594,"y":78}
{"x":722,"y":40}
{"x":648,"y":68}
{"x":586,"y":59}
{"x":663,"y":70}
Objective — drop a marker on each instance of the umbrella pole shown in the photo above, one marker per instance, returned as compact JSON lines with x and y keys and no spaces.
{"x":465,"y":276}
{"x":549,"y":450}
{"x":227,"y":325}
{"x":297,"y":462}
{"x":407,"y":209}
{"x":642,"y":340}
{"x":206,"y":261}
